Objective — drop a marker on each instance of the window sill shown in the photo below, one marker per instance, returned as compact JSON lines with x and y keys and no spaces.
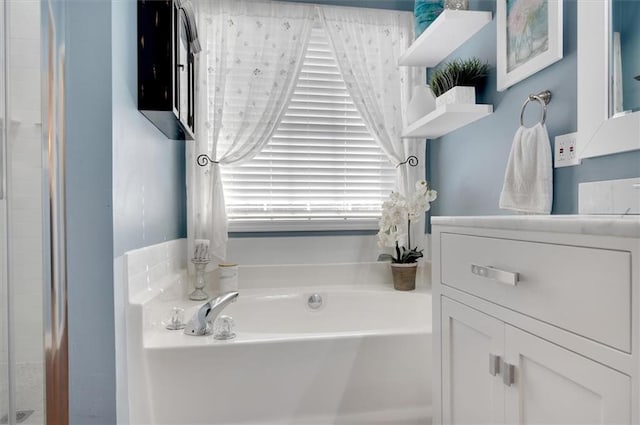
{"x":304,"y":226}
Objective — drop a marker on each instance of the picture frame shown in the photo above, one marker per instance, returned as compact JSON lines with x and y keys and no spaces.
{"x":529,"y":38}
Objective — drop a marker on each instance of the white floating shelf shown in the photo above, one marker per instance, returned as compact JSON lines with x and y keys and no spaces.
{"x":443,"y":36}
{"x":446,"y":119}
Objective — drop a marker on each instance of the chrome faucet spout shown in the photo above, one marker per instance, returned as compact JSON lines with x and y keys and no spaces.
{"x":202,"y":321}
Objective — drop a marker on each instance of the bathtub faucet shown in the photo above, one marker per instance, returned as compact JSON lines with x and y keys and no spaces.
{"x":201,"y":323}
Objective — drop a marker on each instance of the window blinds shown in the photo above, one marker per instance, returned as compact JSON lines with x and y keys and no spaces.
{"x":321,"y":170}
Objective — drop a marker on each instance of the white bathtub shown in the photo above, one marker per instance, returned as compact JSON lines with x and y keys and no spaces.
{"x":363,"y":358}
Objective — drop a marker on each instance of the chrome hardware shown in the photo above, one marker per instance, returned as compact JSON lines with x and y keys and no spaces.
{"x":543,"y":98}
{"x":494,"y":364}
{"x":315,"y":301}
{"x":202,"y":321}
{"x":508,"y":374}
{"x":502,"y":276}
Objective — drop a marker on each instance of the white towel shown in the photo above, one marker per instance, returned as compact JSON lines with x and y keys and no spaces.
{"x":528,"y":180}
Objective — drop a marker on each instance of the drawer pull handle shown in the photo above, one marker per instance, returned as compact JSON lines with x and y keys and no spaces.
{"x":508,"y":374}
{"x":494,"y":364}
{"x":502,"y":276}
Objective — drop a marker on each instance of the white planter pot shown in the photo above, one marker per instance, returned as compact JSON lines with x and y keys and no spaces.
{"x":422,"y":102}
{"x":457,"y":95}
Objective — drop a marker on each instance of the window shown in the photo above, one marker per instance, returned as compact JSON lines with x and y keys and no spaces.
{"x":321,"y":170}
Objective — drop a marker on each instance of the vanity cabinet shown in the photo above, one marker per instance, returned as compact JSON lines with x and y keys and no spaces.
{"x":472,"y":347}
{"x":166,"y":66}
{"x":534,"y":326}
{"x":494,"y":373}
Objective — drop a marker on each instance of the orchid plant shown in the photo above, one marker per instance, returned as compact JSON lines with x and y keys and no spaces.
{"x":398,"y":213}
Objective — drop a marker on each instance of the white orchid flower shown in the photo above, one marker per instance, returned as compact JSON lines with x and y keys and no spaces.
{"x":398,"y":213}
{"x":422,"y":186}
{"x":384,"y":240}
{"x":418,"y":208}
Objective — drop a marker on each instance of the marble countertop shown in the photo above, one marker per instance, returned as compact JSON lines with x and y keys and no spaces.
{"x":605,"y":225}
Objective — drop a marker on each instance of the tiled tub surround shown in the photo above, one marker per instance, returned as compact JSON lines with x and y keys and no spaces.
{"x":362,"y":358}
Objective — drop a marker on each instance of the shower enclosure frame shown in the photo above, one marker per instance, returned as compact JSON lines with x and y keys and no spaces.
{"x":56,"y":360}
{"x":52,"y":66}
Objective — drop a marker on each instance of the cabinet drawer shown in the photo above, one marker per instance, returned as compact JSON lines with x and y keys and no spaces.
{"x":583,"y":290}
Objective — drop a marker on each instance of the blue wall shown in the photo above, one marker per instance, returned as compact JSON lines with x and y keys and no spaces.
{"x":149,"y":193}
{"x":89,"y":212}
{"x":467,"y":166}
{"x":125,"y":190}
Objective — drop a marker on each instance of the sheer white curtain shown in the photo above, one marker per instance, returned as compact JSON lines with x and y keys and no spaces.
{"x":251,"y":57}
{"x":368,"y":44}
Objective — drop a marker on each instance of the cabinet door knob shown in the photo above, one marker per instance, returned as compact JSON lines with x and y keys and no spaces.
{"x":502,"y":276}
{"x":494,"y":364}
{"x":508,"y":374}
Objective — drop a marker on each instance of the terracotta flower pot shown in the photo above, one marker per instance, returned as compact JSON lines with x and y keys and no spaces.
{"x":404,"y":276}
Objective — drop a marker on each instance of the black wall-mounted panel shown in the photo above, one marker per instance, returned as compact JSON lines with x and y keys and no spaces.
{"x":160,"y":26}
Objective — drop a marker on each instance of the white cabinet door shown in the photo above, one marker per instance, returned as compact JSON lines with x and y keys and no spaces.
{"x":471,"y":394}
{"x":556,"y":386}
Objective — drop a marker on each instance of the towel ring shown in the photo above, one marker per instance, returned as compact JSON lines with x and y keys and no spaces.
{"x":543,"y":98}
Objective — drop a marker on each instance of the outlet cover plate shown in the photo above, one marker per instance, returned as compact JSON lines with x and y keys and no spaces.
{"x":565,"y":154}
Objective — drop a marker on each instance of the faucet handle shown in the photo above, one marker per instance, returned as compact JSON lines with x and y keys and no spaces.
{"x":176,"y":319}
{"x":223,"y":328}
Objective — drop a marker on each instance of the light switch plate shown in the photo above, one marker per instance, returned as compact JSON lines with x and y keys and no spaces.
{"x":565,"y":154}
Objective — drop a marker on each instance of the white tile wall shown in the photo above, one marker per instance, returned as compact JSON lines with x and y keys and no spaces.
{"x":308,"y":250}
{"x":610,"y":197}
{"x":25,"y":191}
{"x":26,"y":244}
{"x":138,"y":274}
{"x":24,"y":61}
{"x":146,"y":268}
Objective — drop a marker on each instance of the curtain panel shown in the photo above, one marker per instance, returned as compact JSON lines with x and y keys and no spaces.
{"x":252,"y":54}
{"x":368,"y":44}
{"x":251,"y":57}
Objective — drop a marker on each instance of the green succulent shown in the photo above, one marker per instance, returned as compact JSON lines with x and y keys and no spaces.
{"x":460,"y":72}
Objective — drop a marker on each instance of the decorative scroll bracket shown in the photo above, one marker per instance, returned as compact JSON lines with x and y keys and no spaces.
{"x":411,"y":160}
{"x":204,"y":160}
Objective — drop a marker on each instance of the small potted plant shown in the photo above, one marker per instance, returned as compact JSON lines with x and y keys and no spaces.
{"x":457,"y":80}
{"x":398,"y":213}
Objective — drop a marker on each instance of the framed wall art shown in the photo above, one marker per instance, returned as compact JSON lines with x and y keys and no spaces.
{"x":529,"y":38}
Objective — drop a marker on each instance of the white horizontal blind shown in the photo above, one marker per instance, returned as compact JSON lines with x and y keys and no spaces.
{"x":322,"y":169}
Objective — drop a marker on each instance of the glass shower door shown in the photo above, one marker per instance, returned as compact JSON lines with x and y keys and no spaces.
{"x":21,"y":215}
{"x":4,"y":312}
